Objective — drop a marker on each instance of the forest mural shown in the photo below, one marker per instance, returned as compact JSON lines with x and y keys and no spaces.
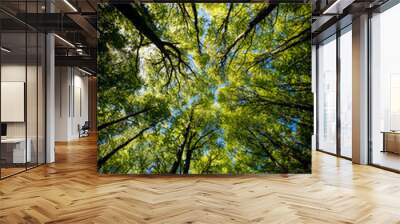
{"x":204,"y":88}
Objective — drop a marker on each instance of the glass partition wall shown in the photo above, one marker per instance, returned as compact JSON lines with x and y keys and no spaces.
{"x":334,"y":94}
{"x":22,"y":91}
{"x":385,"y":89}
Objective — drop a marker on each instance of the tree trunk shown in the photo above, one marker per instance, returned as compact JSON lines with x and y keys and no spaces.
{"x":179,"y":153}
{"x":177,"y":162}
{"x":187,"y":161}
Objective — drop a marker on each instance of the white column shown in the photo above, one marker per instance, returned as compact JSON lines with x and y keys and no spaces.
{"x":50,"y":99}
{"x":360,"y":90}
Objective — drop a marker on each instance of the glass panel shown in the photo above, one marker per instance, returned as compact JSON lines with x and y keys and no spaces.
{"x":385,"y":89}
{"x":32,"y":87}
{"x":31,"y":98}
{"x":13,"y":87}
{"x":346,"y":93}
{"x":22,"y":88}
{"x":41,"y":99}
{"x":327,"y":96}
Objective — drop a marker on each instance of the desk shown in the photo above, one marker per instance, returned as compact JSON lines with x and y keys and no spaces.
{"x":13,"y":150}
{"x":391,"y":141}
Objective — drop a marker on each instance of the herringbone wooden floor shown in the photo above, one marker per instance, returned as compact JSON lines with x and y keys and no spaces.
{"x":70,"y":191}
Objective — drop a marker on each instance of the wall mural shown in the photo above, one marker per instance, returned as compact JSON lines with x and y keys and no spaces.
{"x":211,"y":88}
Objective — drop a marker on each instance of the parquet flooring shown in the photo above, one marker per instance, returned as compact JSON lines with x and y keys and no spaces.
{"x":10,"y":171}
{"x":70,"y":191}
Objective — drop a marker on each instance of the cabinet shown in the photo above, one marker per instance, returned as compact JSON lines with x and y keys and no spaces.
{"x":391,"y":142}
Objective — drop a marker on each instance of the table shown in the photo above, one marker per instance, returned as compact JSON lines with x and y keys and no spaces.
{"x":13,"y":150}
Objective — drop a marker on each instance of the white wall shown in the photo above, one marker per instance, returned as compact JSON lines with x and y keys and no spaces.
{"x":71,"y":102}
{"x":62,"y":81}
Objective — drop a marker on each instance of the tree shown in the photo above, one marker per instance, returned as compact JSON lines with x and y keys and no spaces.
{"x":187,"y":88}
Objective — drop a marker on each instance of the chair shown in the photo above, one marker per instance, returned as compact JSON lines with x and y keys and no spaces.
{"x":84,"y":130}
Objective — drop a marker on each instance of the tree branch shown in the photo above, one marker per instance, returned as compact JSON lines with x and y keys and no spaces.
{"x":201,"y":137}
{"x":196,"y":26}
{"x":105,"y":125}
{"x":103,"y":160}
{"x":259,"y":17}
{"x":168,"y":49}
{"x":298,"y":106}
{"x":292,"y":150}
{"x":138,"y":51}
{"x":303,"y":36}
{"x":224,"y":26}
{"x":257,"y":99}
{"x":185,"y":14}
{"x":273,"y":159}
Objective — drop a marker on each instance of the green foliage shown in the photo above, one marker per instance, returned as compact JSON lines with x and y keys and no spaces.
{"x":201,"y":95}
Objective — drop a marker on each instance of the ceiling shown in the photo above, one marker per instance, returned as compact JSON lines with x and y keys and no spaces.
{"x":74,"y":22}
{"x":332,"y":15}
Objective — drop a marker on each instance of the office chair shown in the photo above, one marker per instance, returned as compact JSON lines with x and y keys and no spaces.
{"x":84,"y":130}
